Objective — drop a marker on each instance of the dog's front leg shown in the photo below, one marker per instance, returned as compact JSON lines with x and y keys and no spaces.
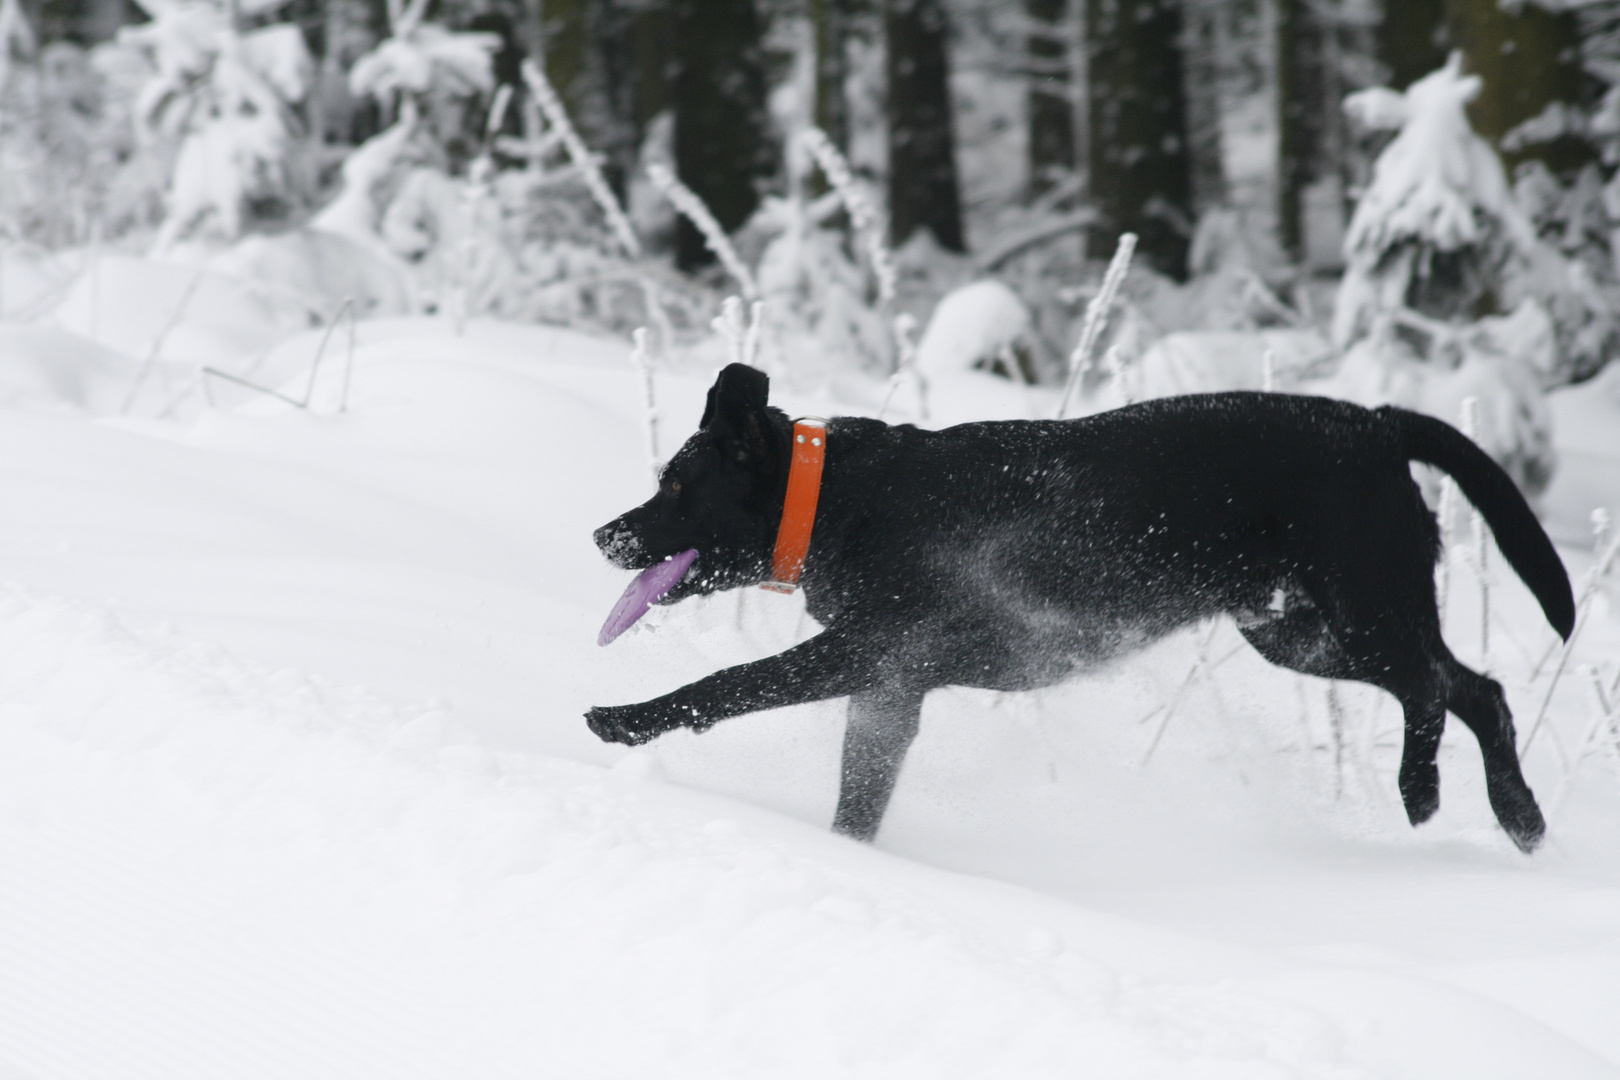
{"x":834,"y":663}
{"x":882,"y":723}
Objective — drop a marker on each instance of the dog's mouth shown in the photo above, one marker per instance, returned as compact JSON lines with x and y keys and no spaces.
{"x":650,"y":587}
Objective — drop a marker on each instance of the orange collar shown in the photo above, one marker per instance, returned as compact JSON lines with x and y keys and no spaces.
{"x":799,"y":508}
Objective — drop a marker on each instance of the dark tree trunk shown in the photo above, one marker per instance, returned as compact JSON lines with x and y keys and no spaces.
{"x":1051,"y":104}
{"x":1141,"y":171}
{"x":84,"y":22}
{"x":1304,"y":100}
{"x":565,"y":25}
{"x":721,"y":143}
{"x":922,"y":147}
{"x":588,"y":60}
{"x":1529,"y":59}
{"x":653,"y":57}
{"x":831,"y":20}
{"x":1202,"y":51}
{"x":1412,"y":39}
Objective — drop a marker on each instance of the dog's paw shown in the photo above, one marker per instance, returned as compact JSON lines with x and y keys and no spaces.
{"x":628,"y":724}
{"x":1420,"y":791}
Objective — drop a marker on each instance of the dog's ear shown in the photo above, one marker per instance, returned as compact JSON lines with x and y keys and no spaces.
{"x":735,"y":413}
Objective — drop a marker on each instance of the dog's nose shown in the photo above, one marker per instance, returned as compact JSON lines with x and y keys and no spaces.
{"x":619,"y":543}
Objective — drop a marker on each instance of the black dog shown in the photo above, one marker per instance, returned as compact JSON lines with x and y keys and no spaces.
{"x":1010,"y":555}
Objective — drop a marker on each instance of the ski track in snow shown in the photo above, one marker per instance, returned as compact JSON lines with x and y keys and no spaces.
{"x":214,"y":864}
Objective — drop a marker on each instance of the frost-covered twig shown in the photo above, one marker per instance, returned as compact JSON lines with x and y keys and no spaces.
{"x":1605,"y":722}
{"x":861,"y":213}
{"x":1114,"y":361}
{"x":687,"y":202}
{"x":1097,"y":317}
{"x":1476,"y":522}
{"x":1201,"y":668}
{"x":652,"y":299}
{"x":157,"y":342}
{"x":1448,"y":500}
{"x":346,"y":312}
{"x":1268,"y":370}
{"x":754,"y":337}
{"x":641,"y":360}
{"x":733,"y":330}
{"x":1604,"y":549}
{"x":905,"y":337}
{"x":589,"y":167}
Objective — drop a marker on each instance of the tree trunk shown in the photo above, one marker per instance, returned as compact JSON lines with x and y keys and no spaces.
{"x":84,"y":22}
{"x":923,"y":189}
{"x":1303,"y":101}
{"x":1412,"y":39}
{"x":1141,"y":171}
{"x":1051,"y":106}
{"x":1529,"y":59}
{"x":653,"y":58}
{"x":721,"y":142}
{"x":1202,"y":50}
{"x":588,"y":60}
{"x":830,"y":21}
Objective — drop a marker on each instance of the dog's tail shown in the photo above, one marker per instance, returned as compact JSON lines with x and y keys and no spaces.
{"x":1518,"y":534}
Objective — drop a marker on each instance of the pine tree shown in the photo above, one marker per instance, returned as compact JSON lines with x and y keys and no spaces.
{"x":923,"y":190}
{"x":1141,"y":170}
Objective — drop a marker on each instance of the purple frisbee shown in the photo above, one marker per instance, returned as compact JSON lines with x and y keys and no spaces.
{"x":646,"y":590}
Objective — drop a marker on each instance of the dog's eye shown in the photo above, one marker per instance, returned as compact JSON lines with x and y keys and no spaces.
{"x":675,"y":487}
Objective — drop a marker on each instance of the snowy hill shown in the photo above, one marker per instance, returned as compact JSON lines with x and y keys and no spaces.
{"x":294,"y":782}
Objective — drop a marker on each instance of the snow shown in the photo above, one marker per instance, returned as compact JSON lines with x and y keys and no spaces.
{"x":294,"y":779}
{"x":972,"y":325}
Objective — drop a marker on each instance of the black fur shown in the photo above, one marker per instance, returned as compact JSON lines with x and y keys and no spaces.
{"x":1011,"y":555}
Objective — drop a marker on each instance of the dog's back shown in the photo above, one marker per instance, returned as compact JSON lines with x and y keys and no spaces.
{"x":1043,"y":546}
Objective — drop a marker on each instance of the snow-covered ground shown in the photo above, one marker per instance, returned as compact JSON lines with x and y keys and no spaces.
{"x":294,"y":779}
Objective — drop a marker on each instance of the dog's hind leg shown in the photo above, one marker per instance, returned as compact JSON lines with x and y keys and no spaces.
{"x":1426,"y":695}
{"x":1479,"y":702}
{"x":882,"y":722}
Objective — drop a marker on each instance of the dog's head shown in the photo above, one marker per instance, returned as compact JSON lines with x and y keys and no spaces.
{"x":721,"y":493}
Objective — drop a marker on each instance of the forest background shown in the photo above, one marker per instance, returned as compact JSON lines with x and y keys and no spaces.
{"x":995,"y":140}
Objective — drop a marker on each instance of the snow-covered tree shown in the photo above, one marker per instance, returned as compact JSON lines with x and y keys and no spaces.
{"x":1448,"y":293}
{"x":230,"y":102}
{"x":425,"y":72}
{"x":1439,"y":240}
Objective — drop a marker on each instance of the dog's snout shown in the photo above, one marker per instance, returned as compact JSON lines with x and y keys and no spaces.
{"x":621,"y":546}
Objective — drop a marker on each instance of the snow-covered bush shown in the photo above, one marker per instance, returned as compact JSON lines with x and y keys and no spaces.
{"x":825,"y":271}
{"x":983,"y":326}
{"x":230,"y":102}
{"x":1448,"y":290}
{"x":423,"y":72}
{"x":818,"y":296}
{"x":1439,"y":235}
{"x":69,"y":171}
{"x":424,"y":78}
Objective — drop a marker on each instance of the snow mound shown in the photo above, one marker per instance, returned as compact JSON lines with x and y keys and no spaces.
{"x":142,"y":308}
{"x":41,"y":366}
{"x":214,"y":870}
{"x":975,"y":327}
